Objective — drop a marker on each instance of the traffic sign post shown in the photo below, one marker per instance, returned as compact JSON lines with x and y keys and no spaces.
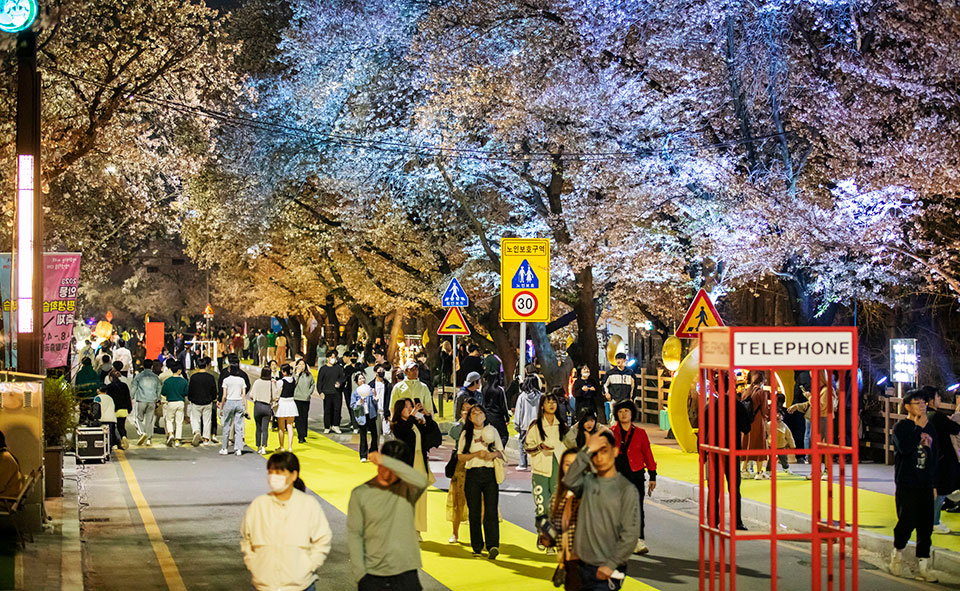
{"x":701,"y":314}
{"x":454,"y":296}
{"x":453,"y":325}
{"x":524,"y":285}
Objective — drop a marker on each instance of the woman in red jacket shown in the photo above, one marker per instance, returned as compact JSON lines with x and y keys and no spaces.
{"x":635,"y":456}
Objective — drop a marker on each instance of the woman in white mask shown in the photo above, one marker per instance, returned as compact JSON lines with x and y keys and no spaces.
{"x":285,"y":527}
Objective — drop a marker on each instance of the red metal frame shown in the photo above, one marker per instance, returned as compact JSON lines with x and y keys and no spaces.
{"x":718,"y":544}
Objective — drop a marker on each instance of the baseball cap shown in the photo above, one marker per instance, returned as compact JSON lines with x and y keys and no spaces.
{"x":410,"y":364}
{"x":471,"y":378}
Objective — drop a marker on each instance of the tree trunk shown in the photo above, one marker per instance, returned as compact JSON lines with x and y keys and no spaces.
{"x":313,"y":339}
{"x":588,"y":348}
{"x":293,"y":330}
{"x":333,"y":322}
{"x":396,"y":334}
{"x":556,"y":375}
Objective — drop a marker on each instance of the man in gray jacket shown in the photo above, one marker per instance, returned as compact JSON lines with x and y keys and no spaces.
{"x":146,"y":392}
{"x":608,"y":524}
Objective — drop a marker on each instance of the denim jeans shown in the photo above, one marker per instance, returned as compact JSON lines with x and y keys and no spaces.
{"x":937,"y":506}
{"x":233,"y":417}
{"x":522,"y":433}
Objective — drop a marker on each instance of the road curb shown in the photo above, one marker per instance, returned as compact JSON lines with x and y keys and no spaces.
{"x":757,"y":512}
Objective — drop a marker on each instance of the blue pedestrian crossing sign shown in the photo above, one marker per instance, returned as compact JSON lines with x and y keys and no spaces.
{"x":525,"y":278}
{"x":454,"y":296}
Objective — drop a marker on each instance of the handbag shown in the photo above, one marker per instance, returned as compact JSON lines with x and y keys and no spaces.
{"x":451,"y":467}
{"x":498,"y":470}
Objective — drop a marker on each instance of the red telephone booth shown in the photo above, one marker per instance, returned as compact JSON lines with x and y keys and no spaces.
{"x":830,"y":355}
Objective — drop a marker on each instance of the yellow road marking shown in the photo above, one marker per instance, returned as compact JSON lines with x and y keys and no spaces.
{"x":167,"y":566}
{"x":332,"y":471}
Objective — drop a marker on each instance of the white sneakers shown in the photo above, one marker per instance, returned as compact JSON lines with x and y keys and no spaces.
{"x":262,"y":451}
{"x":453,"y":540}
{"x":176,"y":443}
{"x":641,"y":547}
{"x":223,"y":452}
{"x":363,"y":460}
{"x":522,"y":468}
{"x":239,"y":453}
{"x":336,"y":429}
{"x":941,"y":529}
{"x":926,"y":572}
{"x":896,"y":562}
{"x":326,"y":430}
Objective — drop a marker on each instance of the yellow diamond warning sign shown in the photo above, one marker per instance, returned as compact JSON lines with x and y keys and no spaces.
{"x":453,"y":324}
{"x":700,"y":315}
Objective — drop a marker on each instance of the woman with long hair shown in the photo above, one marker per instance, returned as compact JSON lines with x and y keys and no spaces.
{"x":456,"y":498}
{"x":544,"y":444}
{"x":286,"y":406}
{"x":417,"y":429}
{"x":497,"y":409}
{"x":586,"y":425}
{"x":563,"y":513}
{"x":281,"y":349}
{"x":285,"y":536}
{"x":479,"y":447}
{"x":265,"y":395}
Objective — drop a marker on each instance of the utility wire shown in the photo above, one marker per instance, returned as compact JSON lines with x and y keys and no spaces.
{"x":420,"y":149}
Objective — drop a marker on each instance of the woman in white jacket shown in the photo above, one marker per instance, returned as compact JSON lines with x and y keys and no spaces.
{"x":285,"y":536}
{"x":544,"y":445}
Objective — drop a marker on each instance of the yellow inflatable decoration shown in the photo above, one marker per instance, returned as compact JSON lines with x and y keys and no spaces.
{"x":672,"y":353}
{"x":686,"y":377}
{"x":612,"y":345}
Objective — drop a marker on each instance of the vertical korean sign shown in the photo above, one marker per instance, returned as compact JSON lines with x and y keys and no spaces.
{"x":61,"y":279}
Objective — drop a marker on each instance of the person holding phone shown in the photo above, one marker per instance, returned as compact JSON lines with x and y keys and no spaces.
{"x":544,"y":445}
{"x":416,"y":428}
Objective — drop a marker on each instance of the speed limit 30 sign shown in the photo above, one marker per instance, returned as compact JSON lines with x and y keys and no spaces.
{"x":524,"y":280}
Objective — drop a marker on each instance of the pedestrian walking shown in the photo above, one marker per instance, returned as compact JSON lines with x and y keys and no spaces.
{"x":261,"y":340}
{"x":286,"y":406}
{"x":585,"y":426}
{"x":381,"y":529}
{"x":123,"y":355}
{"x":202,"y":394}
{"x":306,"y":386}
{"x":634,"y":456}
{"x":350,"y":368}
{"x":608,"y":520}
{"x":285,"y":537}
{"x":233,"y":405}
{"x":758,"y":436}
{"x":266,"y":396}
{"x":497,"y":409}
{"x":544,"y":443}
{"x":412,"y":388}
{"x":479,"y":448}
{"x":948,"y":467}
{"x":271,"y":345}
{"x":586,"y":391}
{"x":564,"y":509}
{"x":122,"y":404}
{"x":174,"y":394}
{"x":382,"y":391}
{"x":719,"y":466}
{"x":456,"y":498}
{"x":107,"y":417}
{"x":618,"y":385}
{"x":527,"y":409}
{"x":470,"y":389}
{"x":415,"y":427}
{"x":281,"y":348}
{"x":915,"y":469}
{"x":329,"y":379}
{"x":363,"y":403}
{"x":86,"y":381}
{"x":146,"y":393}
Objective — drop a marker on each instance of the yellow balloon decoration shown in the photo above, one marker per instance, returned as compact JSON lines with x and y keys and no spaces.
{"x":426,"y":337}
{"x":612,"y":345}
{"x":672,"y":353}
{"x":687,"y":377}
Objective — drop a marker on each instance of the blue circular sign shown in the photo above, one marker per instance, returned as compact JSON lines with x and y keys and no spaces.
{"x":17,"y":15}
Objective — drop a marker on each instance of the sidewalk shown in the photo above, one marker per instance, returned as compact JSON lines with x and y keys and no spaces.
{"x":53,"y":561}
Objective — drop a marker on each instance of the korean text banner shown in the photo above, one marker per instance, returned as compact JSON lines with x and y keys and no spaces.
{"x":61,"y":279}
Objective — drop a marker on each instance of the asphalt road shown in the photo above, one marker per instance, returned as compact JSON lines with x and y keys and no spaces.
{"x":197,"y":499}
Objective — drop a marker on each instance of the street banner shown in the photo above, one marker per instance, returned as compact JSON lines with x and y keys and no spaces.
{"x":153,"y":340}
{"x":61,"y":280}
{"x":524,"y":280}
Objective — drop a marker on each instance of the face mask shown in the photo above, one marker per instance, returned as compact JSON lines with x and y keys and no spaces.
{"x":277,"y":483}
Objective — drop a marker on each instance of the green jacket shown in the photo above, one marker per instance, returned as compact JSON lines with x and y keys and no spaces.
{"x":306,"y":386}
{"x":175,"y":389}
{"x":86,"y":382}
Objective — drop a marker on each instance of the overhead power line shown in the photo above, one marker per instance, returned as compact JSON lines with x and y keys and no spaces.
{"x":419,"y":149}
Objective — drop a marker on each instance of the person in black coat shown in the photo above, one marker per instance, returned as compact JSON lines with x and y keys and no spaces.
{"x":119,"y":392}
{"x":947,"y":478}
{"x":496,"y":407}
{"x":403,"y":427}
{"x":711,"y":417}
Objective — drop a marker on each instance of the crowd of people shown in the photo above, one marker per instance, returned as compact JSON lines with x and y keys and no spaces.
{"x":591,"y":465}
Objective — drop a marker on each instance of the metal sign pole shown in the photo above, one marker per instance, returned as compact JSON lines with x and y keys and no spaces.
{"x":453,"y":376}
{"x":523,"y":351}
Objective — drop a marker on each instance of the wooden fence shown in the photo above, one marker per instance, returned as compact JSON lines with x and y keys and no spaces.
{"x":650,"y":393}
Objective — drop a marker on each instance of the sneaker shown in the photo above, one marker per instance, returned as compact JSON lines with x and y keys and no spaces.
{"x":523,"y":468}
{"x":540,"y":546}
{"x":926,"y":572}
{"x":493,"y":553}
{"x":741,"y":527}
{"x":326,"y":430}
{"x":149,"y":442}
{"x":363,"y":460}
{"x":453,"y":540}
{"x":477,"y":555}
{"x":788,"y":472}
{"x":223,"y":452}
{"x":176,"y":443}
{"x":759,"y":476}
{"x":896,"y":562}
{"x":336,"y":430}
{"x":124,"y":444}
{"x":941,"y":529}
{"x":239,"y":453}
{"x":142,"y":439}
{"x":954,"y":496}
{"x":641,"y":547}
{"x":551,"y":551}
{"x":169,"y":440}
{"x":197,"y":439}
{"x":262,"y":451}
{"x":214,"y":439}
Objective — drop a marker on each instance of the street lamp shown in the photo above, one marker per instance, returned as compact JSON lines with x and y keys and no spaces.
{"x":17,"y":17}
